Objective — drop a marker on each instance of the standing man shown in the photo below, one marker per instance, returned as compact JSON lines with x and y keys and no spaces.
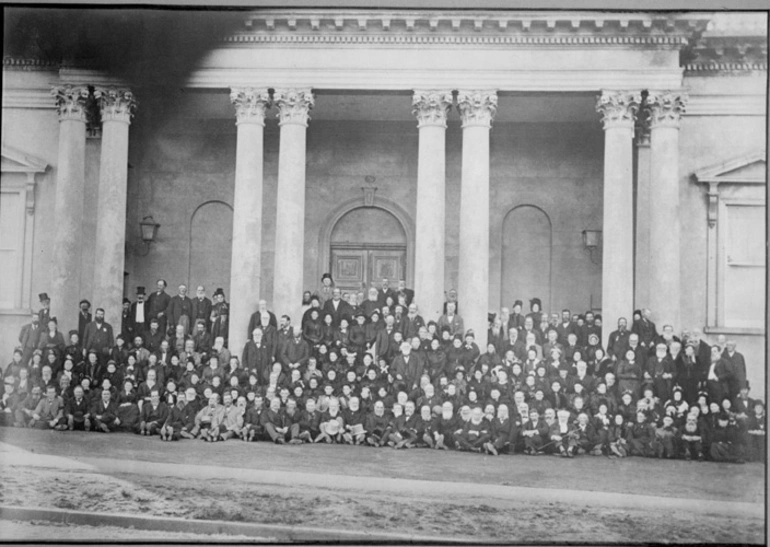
{"x":385,"y":291}
{"x":29,"y":338}
{"x":738,"y":368}
{"x":201,"y":307}
{"x":45,"y":312}
{"x":139,"y":320}
{"x":337,"y":307}
{"x":98,"y":337}
{"x":180,"y":310}
{"x":157,"y":303}
{"x":646,"y":330}
{"x":618,"y":342}
{"x":125,"y":320}
{"x":84,"y":317}
{"x":516,"y":319}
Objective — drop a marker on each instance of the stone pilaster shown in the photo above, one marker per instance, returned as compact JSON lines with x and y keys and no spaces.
{"x":477,"y":109}
{"x":251,"y":105}
{"x":664,"y":109}
{"x":618,"y":110}
{"x":430,"y":108}
{"x":71,"y":103}
{"x":294,"y":113}
{"x":117,"y":106}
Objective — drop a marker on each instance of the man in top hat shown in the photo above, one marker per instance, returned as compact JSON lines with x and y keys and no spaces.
{"x":201,"y":307}
{"x":45,"y":311}
{"x":84,"y":317}
{"x":139,"y":316}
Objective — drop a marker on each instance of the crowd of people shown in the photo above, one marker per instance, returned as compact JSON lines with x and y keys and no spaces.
{"x":365,"y":368}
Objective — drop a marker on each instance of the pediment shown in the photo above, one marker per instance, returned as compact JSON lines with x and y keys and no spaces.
{"x":748,"y":169}
{"x":15,"y":161}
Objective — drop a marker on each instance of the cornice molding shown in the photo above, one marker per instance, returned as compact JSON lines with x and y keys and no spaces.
{"x":726,"y":67}
{"x":538,"y":40}
{"x":476,"y":22}
{"x":21,"y":63}
{"x":726,"y":105}
{"x":28,"y":98}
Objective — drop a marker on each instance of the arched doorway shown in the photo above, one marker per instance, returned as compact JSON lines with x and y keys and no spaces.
{"x":527,"y":247}
{"x":211,"y":236}
{"x":367,"y":244}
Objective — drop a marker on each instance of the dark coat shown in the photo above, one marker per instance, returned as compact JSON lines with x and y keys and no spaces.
{"x":99,"y":338}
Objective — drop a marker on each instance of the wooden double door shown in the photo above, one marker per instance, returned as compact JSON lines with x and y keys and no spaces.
{"x":359,"y":267}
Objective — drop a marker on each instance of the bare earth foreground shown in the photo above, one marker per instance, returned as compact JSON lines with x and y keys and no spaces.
{"x":418,"y":492}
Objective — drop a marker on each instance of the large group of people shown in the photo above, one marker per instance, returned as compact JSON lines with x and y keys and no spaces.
{"x":365,"y":368}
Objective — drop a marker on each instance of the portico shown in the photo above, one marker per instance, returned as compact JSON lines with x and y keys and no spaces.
{"x":490,"y":141}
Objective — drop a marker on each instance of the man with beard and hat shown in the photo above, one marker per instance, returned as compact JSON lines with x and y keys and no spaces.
{"x":45,"y":312}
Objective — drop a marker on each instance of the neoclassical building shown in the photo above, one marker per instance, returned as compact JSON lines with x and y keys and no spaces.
{"x":595,"y":160}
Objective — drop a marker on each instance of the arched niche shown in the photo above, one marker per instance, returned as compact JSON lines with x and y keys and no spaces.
{"x":527,"y":256}
{"x":210,"y":246}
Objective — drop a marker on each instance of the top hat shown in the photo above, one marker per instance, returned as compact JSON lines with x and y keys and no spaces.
{"x":140,"y":290}
{"x":43,"y":296}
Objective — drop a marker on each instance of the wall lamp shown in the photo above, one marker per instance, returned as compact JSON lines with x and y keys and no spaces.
{"x":149,"y":232}
{"x":592,"y":240}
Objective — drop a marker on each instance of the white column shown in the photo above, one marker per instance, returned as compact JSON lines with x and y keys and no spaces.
{"x":68,"y":210}
{"x":430,"y":108}
{"x":116,"y":107}
{"x":294,"y":107}
{"x":642,"y":229}
{"x":477,"y":109}
{"x":246,"y":266}
{"x":618,"y":110}
{"x":665,"y":109}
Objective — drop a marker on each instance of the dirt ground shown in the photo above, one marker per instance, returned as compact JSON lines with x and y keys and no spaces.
{"x":426,"y":514}
{"x":34,"y":530}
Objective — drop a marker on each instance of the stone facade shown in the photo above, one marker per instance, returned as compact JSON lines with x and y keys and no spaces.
{"x":371,"y":141}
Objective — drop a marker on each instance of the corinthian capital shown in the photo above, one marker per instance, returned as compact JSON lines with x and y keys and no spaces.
{"x":665,"y":108}
{"x":293,"y":105}
{"x":477,"y":107}
{"x":431,"y":107}
{"x":115,"y":104}
{"x":618,"y":108}
{"x":251,"y":104}
{"x":71,"y":102}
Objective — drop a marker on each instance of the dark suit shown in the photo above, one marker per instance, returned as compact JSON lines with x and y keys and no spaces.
{"x":343,"y":309}
{"x":83,"y":320}
{"x":178,"y":307}
{"x":99,"y":338}
{"x":411,"y":326}
{"x":29,"y":338}
{"x":618,"y":344}
{"x":254,"y":322}
{"x":201,"y":309}
{"x":382,"y":296}
{"x":157,"y":303}
{"x":259,"y":359}
{"x":410,"y":369}
{"x":45,"y":316}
